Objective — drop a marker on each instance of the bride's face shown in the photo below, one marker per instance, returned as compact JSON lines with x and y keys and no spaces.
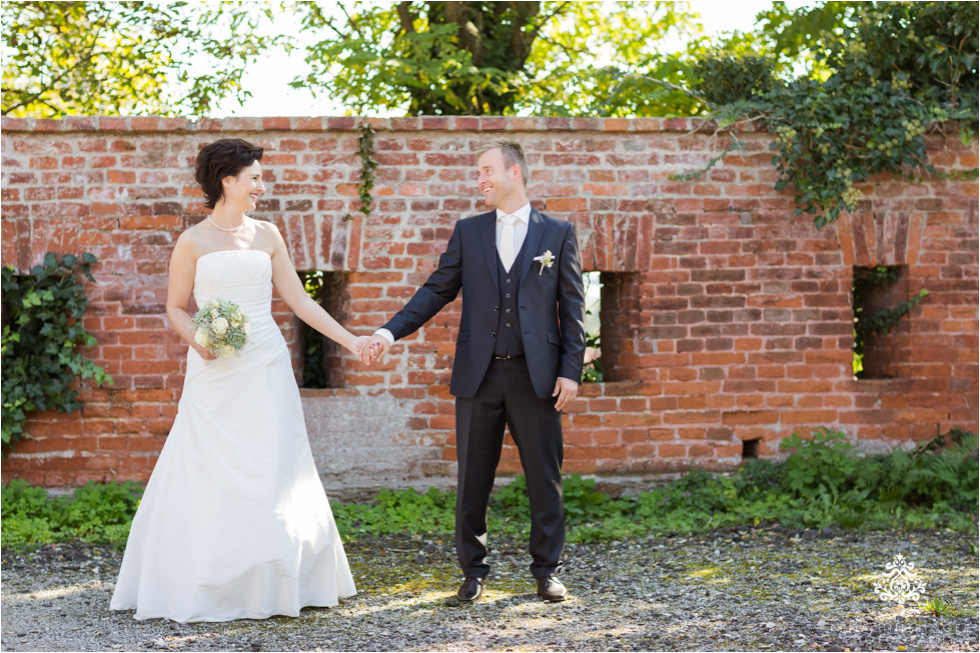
{"x":245,"y":188}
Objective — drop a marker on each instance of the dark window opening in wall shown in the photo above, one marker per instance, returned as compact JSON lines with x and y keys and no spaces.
{"x":323,"y":359}
{"x":750,"y":449}
{"x":592,"y":371}
{"x":881,"y":298}
{"x":620,"y":326}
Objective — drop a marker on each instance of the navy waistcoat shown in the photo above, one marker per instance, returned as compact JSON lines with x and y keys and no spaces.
{"x":509,"y":342}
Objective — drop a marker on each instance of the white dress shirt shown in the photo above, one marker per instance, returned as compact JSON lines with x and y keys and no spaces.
{"x":523,"y":216}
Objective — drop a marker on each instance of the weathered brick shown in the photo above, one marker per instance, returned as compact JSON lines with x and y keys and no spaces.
{"x":730,"y":317}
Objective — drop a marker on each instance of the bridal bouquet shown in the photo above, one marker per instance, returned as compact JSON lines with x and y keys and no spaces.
{"x":222,"y":327}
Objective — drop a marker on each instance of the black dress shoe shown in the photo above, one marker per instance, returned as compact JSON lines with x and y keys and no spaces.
{"x":471,"y":589}
{"x":551,"y":589}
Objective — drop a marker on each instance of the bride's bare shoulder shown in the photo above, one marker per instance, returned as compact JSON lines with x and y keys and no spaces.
{"x":265,"y":227}
{"x":267,"y":236}
{"x":191,"y":241}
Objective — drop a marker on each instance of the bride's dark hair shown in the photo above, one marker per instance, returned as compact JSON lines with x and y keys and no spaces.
{"x":220,"y":159}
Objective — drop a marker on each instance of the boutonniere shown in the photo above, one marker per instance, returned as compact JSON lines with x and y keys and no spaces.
{"x":546,"y":260}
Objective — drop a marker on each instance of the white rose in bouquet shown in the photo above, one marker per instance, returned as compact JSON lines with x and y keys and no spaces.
{"x":201,"y":337}
{"x":220,"y":325}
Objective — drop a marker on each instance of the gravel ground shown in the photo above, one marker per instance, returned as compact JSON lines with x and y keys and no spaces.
{"x":732,"y":589}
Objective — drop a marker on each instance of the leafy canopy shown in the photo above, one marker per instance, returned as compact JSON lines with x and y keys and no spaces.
{"x":900,"y":70}
{"x":487,"y":58}
{"x":123,"y":58}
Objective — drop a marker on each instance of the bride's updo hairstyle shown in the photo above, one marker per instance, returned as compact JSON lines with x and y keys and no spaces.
{"x":223,"y":158}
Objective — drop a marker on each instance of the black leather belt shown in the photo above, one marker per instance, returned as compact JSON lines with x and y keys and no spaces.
{"x":507,"y":357}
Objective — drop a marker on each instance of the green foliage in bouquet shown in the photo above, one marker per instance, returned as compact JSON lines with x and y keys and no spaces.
{"x":43,"y":339}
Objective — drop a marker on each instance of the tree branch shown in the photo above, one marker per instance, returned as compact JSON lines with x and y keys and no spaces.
{"x":316,"y":12}
{"x":673,"y":87}
{"x":562,"y":46}
{"x":53,"y":82}
{"x":350,"y":19}
{"x":559,"y":9}
{"x":406,"y":18}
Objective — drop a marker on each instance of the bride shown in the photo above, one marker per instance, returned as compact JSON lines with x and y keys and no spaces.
{"x":234,"y":522}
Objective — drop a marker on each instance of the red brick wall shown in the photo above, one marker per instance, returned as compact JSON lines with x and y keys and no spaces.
{"x":725,"y":317}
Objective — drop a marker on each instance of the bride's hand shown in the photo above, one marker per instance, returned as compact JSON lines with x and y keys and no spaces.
{"x":357,"y":344}
{"x":204,"y":352}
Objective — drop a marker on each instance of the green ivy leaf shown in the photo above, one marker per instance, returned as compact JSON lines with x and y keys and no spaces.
{"x":42,"y":356}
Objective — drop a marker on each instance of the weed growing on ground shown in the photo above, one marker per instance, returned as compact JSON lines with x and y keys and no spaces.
{"x":939,"y":607}
{"x":99,"y":513}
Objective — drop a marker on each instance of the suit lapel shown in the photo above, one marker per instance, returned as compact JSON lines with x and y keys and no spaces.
{"x":535,"y":231}
{"x":488,"y":238}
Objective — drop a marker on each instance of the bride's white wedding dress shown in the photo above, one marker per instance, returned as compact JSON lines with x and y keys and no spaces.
{"x":234,"y":523}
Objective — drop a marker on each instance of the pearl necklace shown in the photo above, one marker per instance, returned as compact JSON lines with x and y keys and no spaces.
{"x":225,"y":228}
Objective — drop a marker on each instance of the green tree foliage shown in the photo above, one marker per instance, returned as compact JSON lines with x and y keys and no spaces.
{"x":488,"y":58}
{"x":614,"y":59}
{"x":127,"y":58}
{"x":900,"y":70}
{"x":784,"y":42}
{"x":436,"y":57}
{"x":802,"y":37}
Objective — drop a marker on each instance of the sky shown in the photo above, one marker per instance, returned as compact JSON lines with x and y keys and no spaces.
{"x":272,"y":95}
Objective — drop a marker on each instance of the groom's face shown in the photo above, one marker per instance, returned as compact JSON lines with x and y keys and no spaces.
{"x":497,"y":182}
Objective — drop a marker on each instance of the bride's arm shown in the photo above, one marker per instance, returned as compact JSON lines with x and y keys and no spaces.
{"x":291,"y":289}
{"x":182,"y":265}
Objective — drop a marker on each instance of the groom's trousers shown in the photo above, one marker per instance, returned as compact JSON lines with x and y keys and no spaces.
{"x":506,"y":396}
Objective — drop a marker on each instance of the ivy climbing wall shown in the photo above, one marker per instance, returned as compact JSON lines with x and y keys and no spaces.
{"x":724,"y":317}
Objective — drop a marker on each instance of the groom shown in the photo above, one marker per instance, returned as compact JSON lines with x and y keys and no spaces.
{"x":518,"y":358}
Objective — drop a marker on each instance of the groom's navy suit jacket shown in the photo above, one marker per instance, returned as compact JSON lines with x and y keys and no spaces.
{"x":550,"y":302}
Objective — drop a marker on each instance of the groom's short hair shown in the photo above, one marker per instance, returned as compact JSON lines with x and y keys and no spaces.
{"x":513,"y":155}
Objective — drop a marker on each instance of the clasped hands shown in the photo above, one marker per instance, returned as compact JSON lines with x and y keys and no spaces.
{"x":372,"y":349}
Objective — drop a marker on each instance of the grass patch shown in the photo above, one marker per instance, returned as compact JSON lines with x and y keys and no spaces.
{"x":99,"y":513}
{"x":823,"y":482}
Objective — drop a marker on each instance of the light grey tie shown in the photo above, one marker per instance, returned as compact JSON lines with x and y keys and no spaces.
{"x":507,"y":254}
